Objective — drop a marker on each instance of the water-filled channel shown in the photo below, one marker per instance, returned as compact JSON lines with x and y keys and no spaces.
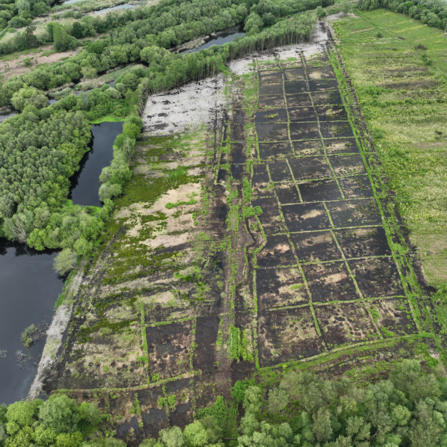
{"x":29,"y":287}
{"x":85,"y":183}
{"x":221,"y":38}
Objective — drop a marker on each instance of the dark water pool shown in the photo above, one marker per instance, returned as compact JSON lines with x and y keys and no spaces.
{"x":4,"y":117}
{"x":85,"y":183}
{"x":29,"y":289}
{"x":115,"y":8}
{"x":221,"y":38}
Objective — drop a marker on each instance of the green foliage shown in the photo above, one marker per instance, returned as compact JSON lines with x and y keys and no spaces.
{"x":278,"y":400}
{"x":61,"y":40}
{"x":65,"y":261}
{"x":57,"y":422}
{"x":170,"y":205}
{"x":432,"y":13}
{"x":29,"y":96}
{"x":27,"y":336}
{"x":249,"y":211}
{"x":239,"y":388}
{"x":218,"y":412}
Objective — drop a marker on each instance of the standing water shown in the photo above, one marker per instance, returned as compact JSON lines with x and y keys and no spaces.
{"x":29,"y":289}
{"x":85,"y":183}
{"x":219,"y":39}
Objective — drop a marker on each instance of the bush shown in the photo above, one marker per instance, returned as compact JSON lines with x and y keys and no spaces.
{"x":108,"y":191}
{"x":65,"y":261}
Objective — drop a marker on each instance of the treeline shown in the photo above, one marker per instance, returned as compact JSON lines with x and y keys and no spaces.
{"x":409,"y":409}
{"x":104,"y":56}
{"x":164,"y":25}
{"x":430,"y":12}
{"x":57,"y":422}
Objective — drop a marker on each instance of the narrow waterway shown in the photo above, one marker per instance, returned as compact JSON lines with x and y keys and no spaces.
{"x":85,"y":183}
{"x":219,"y":38}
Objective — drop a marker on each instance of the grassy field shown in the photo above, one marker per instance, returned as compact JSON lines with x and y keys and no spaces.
{"x":398,"y":67}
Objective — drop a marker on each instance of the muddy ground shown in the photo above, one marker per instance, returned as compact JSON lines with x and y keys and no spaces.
{"x":255,"y":243}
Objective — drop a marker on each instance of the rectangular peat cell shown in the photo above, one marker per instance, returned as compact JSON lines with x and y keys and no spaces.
{"x":356,"y":187}
{"x":322,"y":84}
{"x":306,"y":217}
{"x":336,"y":129}
{"x":363,"y":242}
{"x":304,"y":131}
{"x":315,"y":246}
{"x":302,"y":114}
{"x":348,"y":165}
{"x":330,"y":282}
{"x":345,"y":323}
{"x":169,"y":346}
{"x":341,"y":146}
{"x":354,"y":213}
{"x":287,"y":193}
{"x":332,"y":113}
{"x":299,"y":100}
{"x":276,"y":252}
{"x":270,"y":218}
{"x":292,"y":87}
{"x":272,"y":131}
{"x":287,"y":335}
{"x":295,"y":74}
{"x":281,"y":287}
{"x":269,"y":151}
{"x":271,"y":116}
{"x":271,"y":89}
{"x":319,"y":191}
{"x":206,"y":336}
{"x":311,"y":147}
{"x":270,"y":77}
{"x":325,"y":98}
{"x":271,"y":102}
{"x":377,"y":277}
{"x":317,"y":73}
{"x":310,"y":168}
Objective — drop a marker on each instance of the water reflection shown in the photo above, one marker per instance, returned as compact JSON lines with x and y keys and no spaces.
{"x":29,"y":289}
{"x":114,"y":8}
{"x":221,"y":38}
{"x":85,"y":183}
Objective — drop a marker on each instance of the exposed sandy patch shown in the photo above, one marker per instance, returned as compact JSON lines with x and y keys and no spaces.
{"x":167,"y":240}
{"x":185,"y":108}
{"x":182,"y":194}
{"x":15,"y":67}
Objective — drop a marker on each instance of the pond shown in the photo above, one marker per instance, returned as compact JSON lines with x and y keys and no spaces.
{"x":29,"y":286}
{"x":85,"y":183}
{"x":29,"y":289}
{"x":219,"y":39}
